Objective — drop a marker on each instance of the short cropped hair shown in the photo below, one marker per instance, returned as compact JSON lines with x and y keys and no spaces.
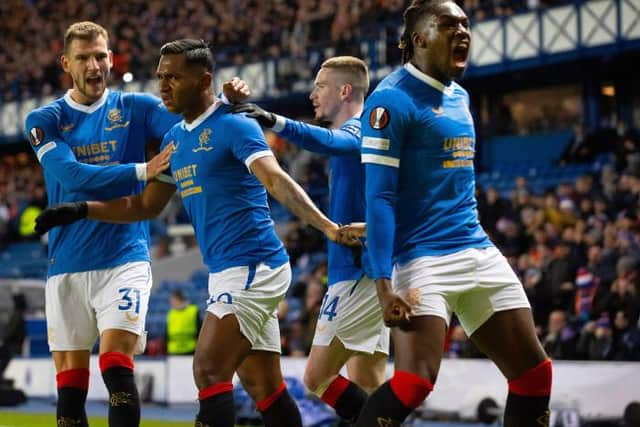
{"x":417,"y":10}
{"x":355,"y":71}
{"x":197,"y":52}
{"x":85,"y":30}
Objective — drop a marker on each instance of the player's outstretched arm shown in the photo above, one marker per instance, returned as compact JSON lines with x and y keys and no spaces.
{"x":286,"y":191}
{"x":127,"y":209}
{"x":344,"y":141}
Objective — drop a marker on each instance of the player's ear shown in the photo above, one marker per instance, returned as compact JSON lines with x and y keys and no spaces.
{"x":206,"y":80}
{"x":64,"y":62}
{"x":346,"y":90}
{"x":110,"y":58}
{"x":419,"y":41}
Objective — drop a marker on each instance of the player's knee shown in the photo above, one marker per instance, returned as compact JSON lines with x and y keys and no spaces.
{"x":534,"y":382}
{"x":314,"y":383}
{"x":206,"y":374}
{"x":368,"y":379}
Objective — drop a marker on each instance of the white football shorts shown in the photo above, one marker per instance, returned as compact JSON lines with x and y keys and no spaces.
{"x":351,"y":312}
{"x":81,"y":306}
{"x":473,"y":283}
{"x":252,"y":294}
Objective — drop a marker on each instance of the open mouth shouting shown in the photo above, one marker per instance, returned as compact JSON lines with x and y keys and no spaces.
{"x":460,"y":53}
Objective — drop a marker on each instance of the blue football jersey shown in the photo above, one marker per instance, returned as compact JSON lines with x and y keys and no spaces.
{"x":418,"y":147}
{"x":226,"y":203}
{"x":89,"y":152}
{"x":346,"y":184}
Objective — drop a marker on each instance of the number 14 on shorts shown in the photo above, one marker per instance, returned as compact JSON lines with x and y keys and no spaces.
{"x":329,"y":307}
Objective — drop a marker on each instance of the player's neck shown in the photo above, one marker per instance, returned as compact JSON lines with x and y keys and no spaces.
{"x":82,"y":99}
{"x":352,"y":109}
{"x":430,"y":71}
{"x":198,"y":108}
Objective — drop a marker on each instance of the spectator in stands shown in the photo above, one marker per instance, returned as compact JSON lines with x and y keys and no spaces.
{"x":595,"y":342}
{"x":626,"y":338}
{"x":493,"y":209}
{"x":560,"y":275}
{"x":586,"y":288}
{"x":623,"y":294}
{"x":561,"y":339}
{"x":183,"y":325}
{"x":13,"y":333}
{"x":578,"y":150}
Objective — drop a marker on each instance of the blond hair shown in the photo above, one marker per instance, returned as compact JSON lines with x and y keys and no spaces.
{"x":354,"y":70}
{"x":85,"y":30}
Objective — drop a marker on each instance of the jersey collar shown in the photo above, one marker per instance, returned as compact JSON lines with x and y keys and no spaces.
{"x":202,"y":117}
{"x":86,"y":108}
{"x":447,"y":90}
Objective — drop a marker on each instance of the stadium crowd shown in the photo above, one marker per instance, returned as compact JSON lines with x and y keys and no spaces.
{"x":241,"y":30}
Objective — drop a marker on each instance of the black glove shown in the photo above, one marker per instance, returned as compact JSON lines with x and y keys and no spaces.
{"x":62,"y":214}
{"x":265,"y":118}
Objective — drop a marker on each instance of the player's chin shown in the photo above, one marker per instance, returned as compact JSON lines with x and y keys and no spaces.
{"x":170,"y":106}
{"x":457,"y":69}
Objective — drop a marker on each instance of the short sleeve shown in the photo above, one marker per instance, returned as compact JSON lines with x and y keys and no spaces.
{"x":248,"y":142}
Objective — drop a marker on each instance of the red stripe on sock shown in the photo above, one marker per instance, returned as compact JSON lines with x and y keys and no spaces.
{"x":410,"y":389}
{"x":214,"y":389}
{"x":76,"y":378}
{"x":335,"y":390}
{"x":113,"y":359}
{"x":265,"y":403}
{"x":534,"y":382}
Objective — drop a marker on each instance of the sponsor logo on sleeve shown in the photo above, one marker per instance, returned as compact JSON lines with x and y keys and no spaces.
{"x":379,"y":118}
{"x":36,"y":135}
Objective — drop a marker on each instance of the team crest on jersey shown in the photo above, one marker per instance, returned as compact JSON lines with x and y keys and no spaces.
{"x":36,"y":135}
{"x":379,"y":118}
{"x":203,"y":141}
{"x":115,"y":119}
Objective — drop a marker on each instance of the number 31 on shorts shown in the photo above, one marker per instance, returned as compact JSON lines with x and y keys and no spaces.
{"x":130,"y":298}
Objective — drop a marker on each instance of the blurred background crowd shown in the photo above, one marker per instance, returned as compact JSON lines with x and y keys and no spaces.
{"x":240,"y":31}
